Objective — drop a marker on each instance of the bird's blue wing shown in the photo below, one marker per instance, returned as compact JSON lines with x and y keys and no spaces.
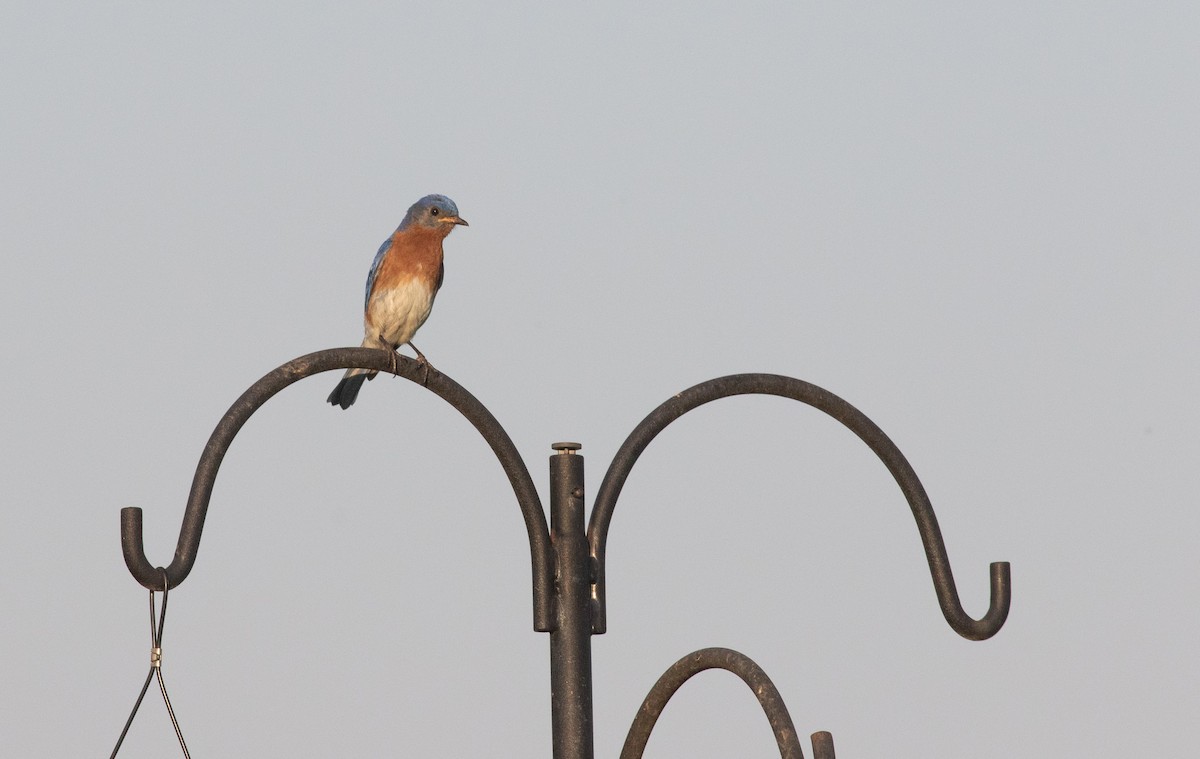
{"x":383,"y":249}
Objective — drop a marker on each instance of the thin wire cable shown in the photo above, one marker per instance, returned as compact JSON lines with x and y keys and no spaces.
{"x":157,"y":657}
{"x":156,"y":633}
{"x":137,"y":704}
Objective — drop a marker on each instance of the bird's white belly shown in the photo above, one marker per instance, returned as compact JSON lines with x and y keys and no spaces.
{"x":397,"y":313}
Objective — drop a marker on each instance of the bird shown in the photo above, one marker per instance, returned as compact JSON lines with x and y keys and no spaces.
{"x":404,"y":280}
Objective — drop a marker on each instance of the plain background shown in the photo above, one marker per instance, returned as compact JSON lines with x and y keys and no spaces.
{"x":976,"y":222}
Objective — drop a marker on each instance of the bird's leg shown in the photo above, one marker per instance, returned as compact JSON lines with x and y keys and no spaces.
{"x":420,"y":355}
{"x":391,"y":348}
{"x":422,"y":360}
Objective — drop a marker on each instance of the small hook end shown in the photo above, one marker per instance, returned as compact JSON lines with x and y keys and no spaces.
{"x":998,"y":606}
{"x":135,"y":552}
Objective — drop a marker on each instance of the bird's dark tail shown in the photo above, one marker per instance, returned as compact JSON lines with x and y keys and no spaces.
{"x":346,"y":391}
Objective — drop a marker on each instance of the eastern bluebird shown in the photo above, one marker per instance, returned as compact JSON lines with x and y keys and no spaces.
{"x":403,"y":282}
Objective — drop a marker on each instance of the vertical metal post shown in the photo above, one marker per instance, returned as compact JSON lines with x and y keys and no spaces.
{"x":571,"y":638}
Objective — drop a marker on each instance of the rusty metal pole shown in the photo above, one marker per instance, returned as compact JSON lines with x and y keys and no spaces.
{"x":571,"y":638}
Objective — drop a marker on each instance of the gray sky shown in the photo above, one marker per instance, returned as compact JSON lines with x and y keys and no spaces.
{"x":977,"y":223}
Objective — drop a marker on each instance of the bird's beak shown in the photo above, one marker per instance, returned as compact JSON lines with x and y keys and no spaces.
{"x":454,"y":220}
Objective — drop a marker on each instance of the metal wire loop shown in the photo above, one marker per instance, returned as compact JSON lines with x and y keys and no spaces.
{"x":156,"y":633}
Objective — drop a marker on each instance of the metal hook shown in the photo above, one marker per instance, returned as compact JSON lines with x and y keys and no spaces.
{"x":860,"y":425}
{"x":751,"y":674}
{"x":322,"y":361}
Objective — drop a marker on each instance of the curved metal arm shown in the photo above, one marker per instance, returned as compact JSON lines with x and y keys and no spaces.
{"x":322,"y":361}
{"x":742,"y":666}
{"x":859,"y":424}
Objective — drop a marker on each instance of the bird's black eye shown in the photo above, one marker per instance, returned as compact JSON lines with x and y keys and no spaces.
{"x":433,"y":212}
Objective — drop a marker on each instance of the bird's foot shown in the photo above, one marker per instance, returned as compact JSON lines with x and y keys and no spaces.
{"x":394,"y":361}
{"x":425,"y":363}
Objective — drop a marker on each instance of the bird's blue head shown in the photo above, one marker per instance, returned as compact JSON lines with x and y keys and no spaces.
{"x":434,"y":212}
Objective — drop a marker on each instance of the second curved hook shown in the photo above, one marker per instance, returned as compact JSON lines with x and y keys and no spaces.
{"x":858,"y":423}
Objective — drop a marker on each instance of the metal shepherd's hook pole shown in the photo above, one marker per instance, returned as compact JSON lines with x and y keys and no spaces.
{"x":567,"y":560}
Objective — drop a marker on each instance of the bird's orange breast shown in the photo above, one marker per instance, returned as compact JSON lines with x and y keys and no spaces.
{"x":414,"y":255}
